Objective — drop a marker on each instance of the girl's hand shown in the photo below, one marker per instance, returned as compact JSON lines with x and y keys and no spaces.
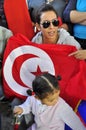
{"x":17,"y":110}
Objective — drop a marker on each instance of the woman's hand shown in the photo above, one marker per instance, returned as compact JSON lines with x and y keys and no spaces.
{"x":80,"y":54}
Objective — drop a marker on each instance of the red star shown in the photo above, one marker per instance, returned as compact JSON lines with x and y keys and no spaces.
{"x":38,"y":72}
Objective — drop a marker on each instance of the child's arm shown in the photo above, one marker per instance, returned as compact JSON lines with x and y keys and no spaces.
{"x":24,"y":108}
{"x":71,"y":118}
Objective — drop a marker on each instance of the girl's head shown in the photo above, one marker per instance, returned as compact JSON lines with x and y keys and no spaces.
{"x":46,"y":88}
{"x":47,"y":22}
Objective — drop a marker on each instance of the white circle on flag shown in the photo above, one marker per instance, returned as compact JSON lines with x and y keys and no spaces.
{"x":28,"y":67}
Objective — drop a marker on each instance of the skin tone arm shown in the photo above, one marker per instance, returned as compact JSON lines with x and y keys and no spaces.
{"x":71,"y":14}
{"x":80,"y":54}
{"x":78,"y":17}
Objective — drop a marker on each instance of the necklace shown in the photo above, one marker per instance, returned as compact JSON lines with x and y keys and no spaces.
{"x":49,"y":1}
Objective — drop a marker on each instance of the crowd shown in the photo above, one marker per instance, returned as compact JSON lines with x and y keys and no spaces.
{"x":45,"y":20}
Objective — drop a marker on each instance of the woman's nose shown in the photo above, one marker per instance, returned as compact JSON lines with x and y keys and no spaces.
{"x":51,"y":25}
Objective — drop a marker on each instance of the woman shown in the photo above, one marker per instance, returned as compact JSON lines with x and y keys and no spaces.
{"x":59,"y":6}
{"x":47,"y":24}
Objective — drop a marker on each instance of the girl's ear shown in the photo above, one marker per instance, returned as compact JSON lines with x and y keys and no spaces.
{"x":57,"y":91}
{"x":36,"y":97}
{"x":38,"y":26}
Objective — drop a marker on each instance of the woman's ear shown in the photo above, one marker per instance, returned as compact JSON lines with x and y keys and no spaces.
{"x":37,"y":26}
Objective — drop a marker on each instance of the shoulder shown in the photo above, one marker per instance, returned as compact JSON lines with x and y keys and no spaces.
{"x":66,"y":38}
{"x":32,"y":100}
{"x":63,"y":33}
{"x":64,"y":106}
{"x":61,"y":100}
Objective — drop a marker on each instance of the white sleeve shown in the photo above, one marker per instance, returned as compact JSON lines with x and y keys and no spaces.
{"x":71,"y":118}
{"x":26,"y":106}
{"x":70,"y":39}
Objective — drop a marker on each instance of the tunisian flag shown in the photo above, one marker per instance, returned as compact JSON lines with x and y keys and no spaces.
{"x":23,"y":60}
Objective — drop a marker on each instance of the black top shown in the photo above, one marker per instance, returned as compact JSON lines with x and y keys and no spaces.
{"x":3,"y":21}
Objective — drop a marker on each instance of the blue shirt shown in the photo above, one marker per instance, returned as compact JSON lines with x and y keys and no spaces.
{"x":80,"y":30}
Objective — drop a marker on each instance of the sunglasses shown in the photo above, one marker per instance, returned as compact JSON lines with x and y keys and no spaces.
{"x":46,"y":23}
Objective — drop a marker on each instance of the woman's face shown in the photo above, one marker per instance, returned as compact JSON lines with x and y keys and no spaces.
{"x":50,"y":33}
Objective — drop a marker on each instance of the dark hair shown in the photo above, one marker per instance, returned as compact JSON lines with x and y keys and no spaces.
{"x":42,"y":9}
{"x":44,"y":84}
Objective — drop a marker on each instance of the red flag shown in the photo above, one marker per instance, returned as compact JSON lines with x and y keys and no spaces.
{"x":23,"y":60}
{"x":18,"y":17}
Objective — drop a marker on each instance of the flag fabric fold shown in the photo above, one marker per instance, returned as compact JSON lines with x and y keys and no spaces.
{"x":18,"y":17}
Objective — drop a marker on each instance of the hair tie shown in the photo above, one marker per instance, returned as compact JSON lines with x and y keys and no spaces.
{"x":30,"y":92}
{"x":59,"y":77}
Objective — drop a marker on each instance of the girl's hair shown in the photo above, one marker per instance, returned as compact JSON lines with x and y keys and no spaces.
{"x":44,"y":84}
{"x":42,"y":9}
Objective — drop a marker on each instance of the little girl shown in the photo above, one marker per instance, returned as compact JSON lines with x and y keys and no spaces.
{"x":50,"y":111}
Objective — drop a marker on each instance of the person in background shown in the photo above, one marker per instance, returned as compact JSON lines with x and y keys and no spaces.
{"x":46,"y":101}
{"x":5,"y":34}
{"x":75,"y":12}
{"x":3,"y":21}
